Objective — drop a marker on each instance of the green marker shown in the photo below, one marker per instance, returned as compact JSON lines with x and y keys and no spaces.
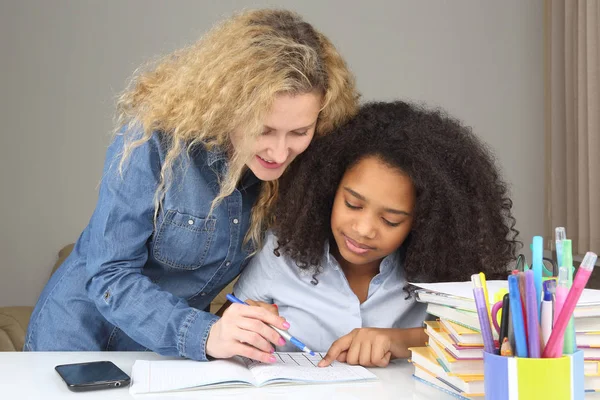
{"x":569,"y":346}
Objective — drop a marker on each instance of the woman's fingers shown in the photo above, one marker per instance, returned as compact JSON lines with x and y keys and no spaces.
{"x":260,"y":314}
{"x":253,"y":353}
{"x":265,"y":331}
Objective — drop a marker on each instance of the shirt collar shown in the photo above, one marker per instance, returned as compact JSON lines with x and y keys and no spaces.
{"x":215,"y":154}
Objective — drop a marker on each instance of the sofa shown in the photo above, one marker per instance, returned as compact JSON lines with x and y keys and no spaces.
{"x":14,"y":320}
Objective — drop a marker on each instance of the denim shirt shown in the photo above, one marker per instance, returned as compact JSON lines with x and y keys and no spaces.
{"x":150,"y":281}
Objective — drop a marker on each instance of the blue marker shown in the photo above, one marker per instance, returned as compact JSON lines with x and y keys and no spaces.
{"x":283,"y":334}
{"x":516,"y":312}
{"x":538,"y":262}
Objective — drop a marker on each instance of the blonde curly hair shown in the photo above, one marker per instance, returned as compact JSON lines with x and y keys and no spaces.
{"x":229,"y":79}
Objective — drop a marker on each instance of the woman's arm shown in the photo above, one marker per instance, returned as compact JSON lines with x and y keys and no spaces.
{"x":118,"y":249}
{"x":120,"y":228}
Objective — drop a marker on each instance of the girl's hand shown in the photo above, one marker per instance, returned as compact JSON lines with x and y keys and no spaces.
{"x":369,"y":347}
{"x":374,"y":347}
{"x":243,"y":331}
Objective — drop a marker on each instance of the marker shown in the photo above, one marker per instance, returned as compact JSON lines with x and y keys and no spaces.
{"x":538,"y":263}
{"x":560,"y":235}
{"x":562,"y":290}
{"x":583,"y":275}
{"x":533,"y":321}
{"x":569,"y":346}
{"x":485,"y":295}
{"x":283,"y":334}
{"x":546,"y":318}
{"x":516,"y":312}
{"x":482,"y":313}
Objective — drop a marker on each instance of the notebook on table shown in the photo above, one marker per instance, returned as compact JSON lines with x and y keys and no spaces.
{"x":290,"y":368}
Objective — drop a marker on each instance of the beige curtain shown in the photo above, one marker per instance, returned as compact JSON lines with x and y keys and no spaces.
{"x":573,"y":121}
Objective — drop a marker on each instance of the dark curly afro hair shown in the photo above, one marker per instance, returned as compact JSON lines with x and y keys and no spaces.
{"x":462,"y":218}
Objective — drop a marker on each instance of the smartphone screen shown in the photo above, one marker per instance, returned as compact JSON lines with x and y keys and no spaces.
{"x":92,"y":375}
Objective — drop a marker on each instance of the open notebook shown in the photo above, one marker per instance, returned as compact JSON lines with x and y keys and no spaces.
{"x":290,"y":368}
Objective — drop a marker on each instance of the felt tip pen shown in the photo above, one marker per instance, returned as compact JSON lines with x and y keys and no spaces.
{"x":583,"y":275}
{"x":516,"y":312}
{"x":546,"y":317}
{"x":533,"y":324}
{"x":482,"y":313}
{"x":560,"y":234}
{"x":282,"y":333}
{"x":538,"y":264}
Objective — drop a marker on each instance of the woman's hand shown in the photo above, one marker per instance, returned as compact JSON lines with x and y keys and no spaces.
{"x":243,"y":331}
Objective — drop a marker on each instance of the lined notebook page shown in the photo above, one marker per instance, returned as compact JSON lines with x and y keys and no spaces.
{"x":171,"y":375}
{"x":294,"y":367}
{"x":302,"y":368}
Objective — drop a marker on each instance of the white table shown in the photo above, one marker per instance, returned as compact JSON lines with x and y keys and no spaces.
{"x":31,"y":376}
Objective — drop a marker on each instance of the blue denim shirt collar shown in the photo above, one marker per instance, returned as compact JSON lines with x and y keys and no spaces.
{"x":214,"y":155}
{"x":218,"y":155}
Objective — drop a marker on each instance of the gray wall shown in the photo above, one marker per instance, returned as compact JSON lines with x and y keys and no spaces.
{"x":63,"y":62}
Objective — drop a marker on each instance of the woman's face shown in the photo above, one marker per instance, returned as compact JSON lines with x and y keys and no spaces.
{"x":372,"y":211}
{"x":287,"y":131}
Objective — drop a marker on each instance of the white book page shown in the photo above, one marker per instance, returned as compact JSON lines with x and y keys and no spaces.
{"x":589,"y":297}
{"x":165,"y":376}
{"x":302,"y":368}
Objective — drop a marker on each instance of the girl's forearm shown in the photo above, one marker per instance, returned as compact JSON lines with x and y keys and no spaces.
{"x":402,"y":339}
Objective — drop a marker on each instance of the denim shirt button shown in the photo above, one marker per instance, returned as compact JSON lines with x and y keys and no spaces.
{"x":203,"y":294}
{"x":191,"y":222}
{"x":228,"y":263}
{"x":235,"y":220}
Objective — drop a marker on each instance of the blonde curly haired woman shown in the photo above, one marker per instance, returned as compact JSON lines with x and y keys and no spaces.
{"x":187,"y":193}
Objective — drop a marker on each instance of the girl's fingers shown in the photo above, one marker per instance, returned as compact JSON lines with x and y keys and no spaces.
{"x":339,"y":346}
{"x":272,"y":308}
{"x":364,"y":354}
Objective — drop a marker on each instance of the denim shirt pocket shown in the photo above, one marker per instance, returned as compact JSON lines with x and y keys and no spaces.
{"x":183,"y":240}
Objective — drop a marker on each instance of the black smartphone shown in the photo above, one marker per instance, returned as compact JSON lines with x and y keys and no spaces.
{"x":92,"y":376}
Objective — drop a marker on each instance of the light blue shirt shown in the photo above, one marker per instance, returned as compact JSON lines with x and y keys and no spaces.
{"x":320,"y":314}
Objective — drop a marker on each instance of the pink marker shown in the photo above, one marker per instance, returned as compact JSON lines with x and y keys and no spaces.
{"x":553,"y":350}
{"x":562,"y":291}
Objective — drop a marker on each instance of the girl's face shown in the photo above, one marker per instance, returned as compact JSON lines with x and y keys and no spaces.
{"x":288,"y":129}
{"x":372,"y":211}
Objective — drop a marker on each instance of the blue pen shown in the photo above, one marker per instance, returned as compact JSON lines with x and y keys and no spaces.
{"x":516,"y":313}
{"x":283,"y":334}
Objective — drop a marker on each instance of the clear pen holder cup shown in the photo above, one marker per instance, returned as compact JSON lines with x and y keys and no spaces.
{"x":514,"y":378}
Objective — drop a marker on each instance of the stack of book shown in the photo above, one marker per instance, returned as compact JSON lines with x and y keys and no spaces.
{"x":451,"y":366}
{"x":452,"y":361}
{"x":453,"y":358}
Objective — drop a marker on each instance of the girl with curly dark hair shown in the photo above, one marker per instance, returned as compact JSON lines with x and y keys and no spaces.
{"x":399,"y":194}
